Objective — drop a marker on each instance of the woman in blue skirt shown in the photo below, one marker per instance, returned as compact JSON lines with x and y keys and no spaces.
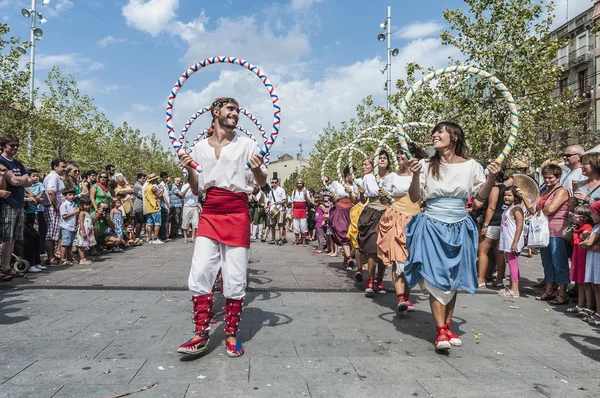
{"x":442,"y":241}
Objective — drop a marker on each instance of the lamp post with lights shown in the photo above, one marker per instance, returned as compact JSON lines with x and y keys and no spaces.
{"x":35,"y":34}
{"x":391,"y":52}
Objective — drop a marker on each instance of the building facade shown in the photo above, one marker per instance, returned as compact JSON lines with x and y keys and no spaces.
{"x":285,"y":166}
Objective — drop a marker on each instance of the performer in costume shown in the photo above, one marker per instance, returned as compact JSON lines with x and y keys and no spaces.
{"x":299,"y":199}
{"x":257,"y":212}
{"x":223,"y":238}
{"x":442,"y":241}
{"x":369,"y":219}
{"x":339,"y":214}
{"x":391,"y":238}
{"x":355,"y":213}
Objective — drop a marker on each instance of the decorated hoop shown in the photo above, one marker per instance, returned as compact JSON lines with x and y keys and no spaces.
{"x":326,"y":160}
{"x":512,"y":106}
{"x":177,"y":145}
{"x":243,"y":111}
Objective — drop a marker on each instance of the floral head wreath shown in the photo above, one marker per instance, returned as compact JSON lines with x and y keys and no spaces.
{"x":216,"y":105}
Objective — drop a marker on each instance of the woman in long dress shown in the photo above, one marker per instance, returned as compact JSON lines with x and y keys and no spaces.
{"x":442,"y":241}
{"x":391,"y":240}
{"x":344,"y":196}
{"x":369,"y":219}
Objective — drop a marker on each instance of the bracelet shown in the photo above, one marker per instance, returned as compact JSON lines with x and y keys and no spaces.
{"x":479,"y":198}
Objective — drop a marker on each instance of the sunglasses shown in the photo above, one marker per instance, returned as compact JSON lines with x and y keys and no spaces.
{"x":568,"y":155}
{"x":103,"y":177}
{"x":14,"y":146}
{"x":76,"y":171}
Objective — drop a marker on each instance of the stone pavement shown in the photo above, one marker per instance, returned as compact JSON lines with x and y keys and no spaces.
{"x":82,"y":342}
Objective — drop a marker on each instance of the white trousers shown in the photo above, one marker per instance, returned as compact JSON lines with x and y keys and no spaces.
{"x":209,"y":256}
{"x":300,"y":225}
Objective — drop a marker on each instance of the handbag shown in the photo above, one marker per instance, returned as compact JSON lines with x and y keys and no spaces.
{"x":539,"y":233}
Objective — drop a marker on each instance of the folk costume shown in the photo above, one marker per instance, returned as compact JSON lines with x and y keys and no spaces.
{"x":300,"y":223}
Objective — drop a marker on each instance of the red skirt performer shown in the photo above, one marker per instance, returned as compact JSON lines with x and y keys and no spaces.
{"x":391,"y":239}
{"x":223,"y":239}
{"x":299,"y":221}
{"x":339,"y":215}
{"x":369,"y":219}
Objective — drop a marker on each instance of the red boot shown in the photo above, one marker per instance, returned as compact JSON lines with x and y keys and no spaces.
{"x":233,"y":309}
{"x":202,"y":316}
{"x":297,"y":241}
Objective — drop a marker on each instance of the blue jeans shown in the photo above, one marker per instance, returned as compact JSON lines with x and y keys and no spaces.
{"x":164,"y":216}
{"x":555,"y":261}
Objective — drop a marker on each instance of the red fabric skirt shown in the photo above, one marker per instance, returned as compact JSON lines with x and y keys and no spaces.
{"x":225,"y":218}
{"x":299,"y":209}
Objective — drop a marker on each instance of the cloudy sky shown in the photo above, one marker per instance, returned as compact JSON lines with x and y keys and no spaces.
{"x":322,"y":56}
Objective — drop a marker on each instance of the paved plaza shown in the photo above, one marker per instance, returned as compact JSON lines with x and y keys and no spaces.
{"x":113,"y":328}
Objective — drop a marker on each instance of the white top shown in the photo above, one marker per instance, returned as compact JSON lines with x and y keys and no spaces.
{"x":370,"y":184}
{"x":277,"y":195}
{"x":229,"y":171}
{"x":53,"y":182}
{"x":508,"y":229}
{"x":567,"y":178}
{"x":164,"y":190}
{"x":66,"y":208}
{"x":396,"y":185}
{"x":461,"y":180}
{"x":301,"y":196}
{"x":338,"y":190}
{"x":189,"y":199}
{"x":259,"y":195}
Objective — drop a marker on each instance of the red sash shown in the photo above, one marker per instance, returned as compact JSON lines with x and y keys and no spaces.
{"x":225,"y":218}
{"x":299,"y":209}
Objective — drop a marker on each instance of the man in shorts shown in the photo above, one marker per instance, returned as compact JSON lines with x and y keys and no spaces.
{"x":152,"y":207}
{"x":277,"y":199}
{"x":52,"y":201}
{"x":190,"y":213}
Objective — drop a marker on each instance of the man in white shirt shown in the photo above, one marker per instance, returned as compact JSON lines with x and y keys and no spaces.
{"x":572,"y":158}
{"x":53,"y":198}
{"x":165,"y":205}
{"x":277,"y":198}
{"x":223,"y":240}
{"x":189,"y":213}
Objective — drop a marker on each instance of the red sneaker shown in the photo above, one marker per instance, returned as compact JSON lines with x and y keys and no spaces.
{"x":380,"y":288}
{"x":411,"y":306}
{"x":369,"y":292}
{"x":402,"y":304}
{"x":455,"y":341}
{"x":443,"y":341}
{"x":317,"y":251}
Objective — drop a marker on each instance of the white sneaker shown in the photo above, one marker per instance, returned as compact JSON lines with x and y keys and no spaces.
{"x":157,"y":242}
{"x":34,"y":269}
{"x":40,"y":266}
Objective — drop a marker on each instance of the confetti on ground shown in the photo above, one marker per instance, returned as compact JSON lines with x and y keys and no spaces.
{"x":170,"y":301}
{"x":161,"y":368}
{"x":69,"y":331}
{"x":102,"y":291}
{"x":546,"y":309}
{"x":268,"y":385}
{"x":201,"y":377}
{"x":512,"y":307}
{"x":464,"y":306}
{"x":564,"y":381}
{"x":477,"y":336}
{"x":499,"y":353}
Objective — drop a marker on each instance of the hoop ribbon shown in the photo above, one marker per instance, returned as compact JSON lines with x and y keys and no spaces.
{"x":177,"y":145}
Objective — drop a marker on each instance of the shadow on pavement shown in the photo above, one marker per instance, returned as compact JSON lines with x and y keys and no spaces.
{"x":574,"y":340}
{"x":7,"y":302}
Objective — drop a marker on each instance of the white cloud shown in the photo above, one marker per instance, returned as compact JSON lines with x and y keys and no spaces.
{"x":419,"y":30}
{"x":68,"y":61}
{"x":142,"y":108}
{"x":4,"y":3}
{"x":190,"y":31}
{"x":151,"y":16}
{"x":302,"y":5}
{"x":96,"y":65}
{"x":55,"y":8}
{"x":93,"y":86}
{"x":570,"y":8}
{"x":103,"y":43}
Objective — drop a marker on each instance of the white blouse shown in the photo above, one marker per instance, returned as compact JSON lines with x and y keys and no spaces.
{"x":461,"y":180}
{"x":370,"y":184}
{"x":338,"y":190}
{"x":299,"y":196}
{"x":396,"y":185}
{"x":229,"y":171}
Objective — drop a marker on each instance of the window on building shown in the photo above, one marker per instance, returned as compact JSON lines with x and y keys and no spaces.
{"x":563,"y":84}
{"x":563,"y":56}
{"x":274,"y":174}
{"x":582,"y":44}
{"x":582,"y":81}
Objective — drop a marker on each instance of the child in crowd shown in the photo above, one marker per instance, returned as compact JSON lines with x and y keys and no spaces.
{"x":68,"y":224}
{"x":512,"y":239}
{"x":592,"y":262}
{"x":84,"y":239}
{"x":582,"y":221}
{"x":320,"y":221}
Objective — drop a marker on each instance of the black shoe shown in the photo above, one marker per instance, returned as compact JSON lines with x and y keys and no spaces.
{"x":358,"y":276}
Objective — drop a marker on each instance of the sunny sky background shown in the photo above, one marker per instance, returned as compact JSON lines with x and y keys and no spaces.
{"x":322,"y":56}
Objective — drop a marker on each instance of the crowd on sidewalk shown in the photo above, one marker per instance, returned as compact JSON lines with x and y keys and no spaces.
{"x":70,"y":217}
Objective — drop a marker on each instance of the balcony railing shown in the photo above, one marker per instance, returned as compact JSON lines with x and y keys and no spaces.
{"x":581,"y":55}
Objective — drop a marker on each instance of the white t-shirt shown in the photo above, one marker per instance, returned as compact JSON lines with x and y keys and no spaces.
{"x":396,"y":185}
{"x":567,"y":178}
{"x":53,"y":182}
{"x":67,"y":208}
{"x":461,"y":180}
{"x":277,"y":195}
{"x":301,"y":196}
{"x":229,"y":171}
{"x":370,"y":184}
{"x":164,"y":190}
{"x":338,"y":190}
{"x":189,"y":199}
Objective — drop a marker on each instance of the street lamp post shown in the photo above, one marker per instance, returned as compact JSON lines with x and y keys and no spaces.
{"x":391,"y":52}
{"x":35,"y":34}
